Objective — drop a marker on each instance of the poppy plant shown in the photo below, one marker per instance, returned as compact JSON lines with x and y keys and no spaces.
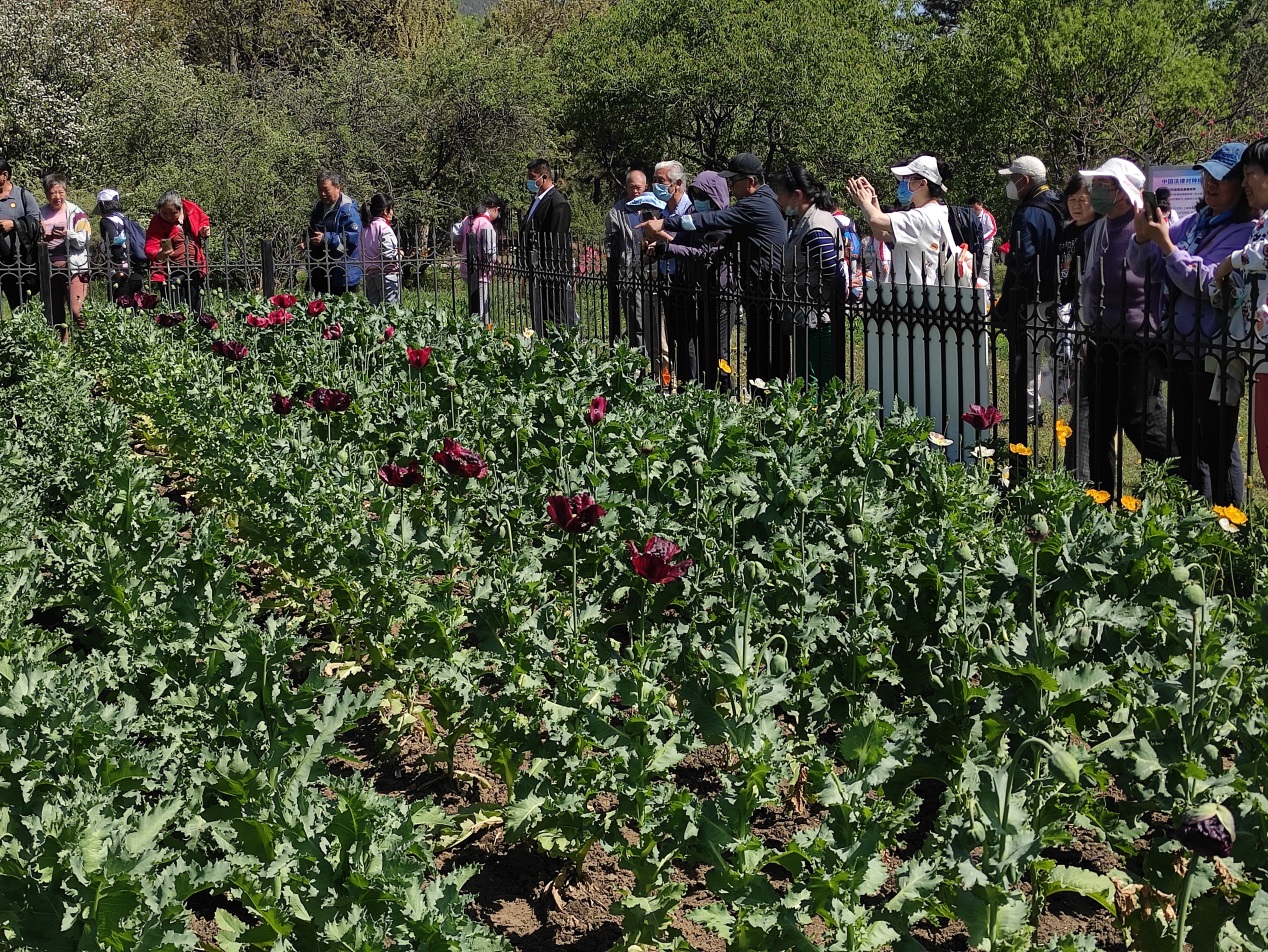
{"x":598,"y":410}
{"x":333,"y":332}
{"x":259,"y":323}
{"x":457,"y":460}
{"x":283,"y":300}
{"x":1020,"y":449}
{"x":574,"y":513}
{"x":388,"y":333}
{"x":401,"y":477}
{"x":656,"y":560}
{"x":231,"y":349}
{"x":208,"y":321}
{"x":281,"y":404}
{"x":980,"y":417}
{"x":1130,"y":503}
{"x":316,"y":307}
{"x":169,"y":320}
{"x":329,"y":400}
{"x":418,"y":356}
{"x":1098,"y":496}
{"x":280,"y":318}
{"x":145,"y":301}
{"x":1064,"y":432}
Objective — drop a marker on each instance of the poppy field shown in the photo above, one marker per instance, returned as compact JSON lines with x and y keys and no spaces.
{"x":316,"y":613}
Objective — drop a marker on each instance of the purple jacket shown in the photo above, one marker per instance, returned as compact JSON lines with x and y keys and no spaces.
{"x":1188,"y":274}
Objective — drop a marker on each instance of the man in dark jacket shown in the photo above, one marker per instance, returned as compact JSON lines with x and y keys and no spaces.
{"x":19,"y":232}
{"x":546,"y":242}
{"x":759,"y":228}
{"x":1029,"y":302}
{"x":334,"y":237}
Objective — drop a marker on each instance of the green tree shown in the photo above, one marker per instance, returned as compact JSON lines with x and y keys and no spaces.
{"x":702,"y":79}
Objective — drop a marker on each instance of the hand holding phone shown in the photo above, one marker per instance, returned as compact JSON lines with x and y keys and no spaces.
{"x":1151,"y":203}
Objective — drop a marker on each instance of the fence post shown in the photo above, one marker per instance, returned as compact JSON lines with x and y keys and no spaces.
{"x":44,"y":265}
{"x":269,"y":277}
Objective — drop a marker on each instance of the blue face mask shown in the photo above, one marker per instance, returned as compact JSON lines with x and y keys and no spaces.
{"x":904,"y":193}
{"x":533,"y":187}
{"x":701,"y":204}
{"x":661,"y":191}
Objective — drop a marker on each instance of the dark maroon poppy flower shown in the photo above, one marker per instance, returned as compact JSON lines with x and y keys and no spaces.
{"x":125,"y":300}
{"x":402,"y":477}
{"x":254,"y":320}
{"x":574,"y":513}
{"x":418,"y":356}
{"x":230,"y":349}
{"x":333,"y":332}
{"x":208,"y":321}
{"x":980,"y":417}
{"x":656,"y":562}
{"x":598,"y":410}
{"x":281,"y":404}
{"x":145,"y":301}
{"x":1208,"y":830}
{"x":316,"y":307}
{"x":329,"y":400}
{"x":388,"y":333}
{"x":283,"y":300}
{"x":174,"y":319}
{"x":460,"y":461}
{"x":280,"y":317}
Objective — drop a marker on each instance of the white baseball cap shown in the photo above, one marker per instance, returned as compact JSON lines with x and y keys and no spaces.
{"x":925,"y":166}
{"x":1127,"y":174}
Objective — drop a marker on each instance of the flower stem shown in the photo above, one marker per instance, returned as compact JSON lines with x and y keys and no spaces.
{"x":1182,"y":905}
{"x":576,"y":610}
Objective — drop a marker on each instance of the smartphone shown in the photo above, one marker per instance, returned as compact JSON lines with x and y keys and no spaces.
{"x":1151,"y":202}
{"x":166,"y":244}
{"x":647,"y":214}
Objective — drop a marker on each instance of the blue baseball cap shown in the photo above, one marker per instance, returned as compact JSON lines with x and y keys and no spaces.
{"x":1224,"y":160}
{"x":647,"y":198}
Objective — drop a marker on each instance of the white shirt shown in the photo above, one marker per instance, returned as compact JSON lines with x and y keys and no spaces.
{"x":921,"y":236}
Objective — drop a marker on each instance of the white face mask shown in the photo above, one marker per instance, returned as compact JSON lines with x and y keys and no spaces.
{"x":1011,"y":191}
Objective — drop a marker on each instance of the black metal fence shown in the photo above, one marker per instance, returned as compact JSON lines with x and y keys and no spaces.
{"x":1145,"y":369}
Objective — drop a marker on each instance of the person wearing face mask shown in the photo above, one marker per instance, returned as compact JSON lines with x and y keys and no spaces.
{"x":1125,"y":371}
{"x":546,"y":242}
{"x":1029,"y":299}
{"x":625,"y":258}
{"x":1240,"y":286}
{"x":759,"y":231}
{"x":814,"y":282}
{"x":1072,"y":252}
{"x":1181,"y":259}
{"x":703,"y":279}
{"x":676,"y":295}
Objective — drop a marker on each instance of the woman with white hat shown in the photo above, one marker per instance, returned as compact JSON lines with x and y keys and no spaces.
{"x":1125,"y":370}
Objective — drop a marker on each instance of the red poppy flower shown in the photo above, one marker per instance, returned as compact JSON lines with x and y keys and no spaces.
{"x":388,"y":333}
{"x":316,"y":307}
{"x":460,"y":461}
{"x":980,"y":417}
{"x":280,"y":317}
{"x":283,"y":300}
{"x":656,"y":562}
{"x":254,"y":320}
{"x":598,"y":410}
{"x":329,"y":400}
{"x":125,"y":300}
{"x":402,"y":477}
{"x":281,"y":404}
{"x":333,"y":332}
{"x":230,"y":349}
{"x":574,"y":513}
{"x":145,"y":301}
{"x":418,"y":356}
{"x":208,"y":321}
{"x":169,"y":320}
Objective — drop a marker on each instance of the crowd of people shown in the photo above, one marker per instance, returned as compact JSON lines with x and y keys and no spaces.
{"x":1108,"y":293}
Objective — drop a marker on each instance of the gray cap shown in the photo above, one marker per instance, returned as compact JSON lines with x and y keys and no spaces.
{"x":1028,"y":166}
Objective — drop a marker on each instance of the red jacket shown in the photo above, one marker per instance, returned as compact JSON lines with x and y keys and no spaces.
{"x":187,"y":247}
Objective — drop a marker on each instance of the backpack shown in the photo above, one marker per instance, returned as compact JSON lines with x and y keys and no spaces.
{"x":133,"y":241}
{"x":966,"y":229}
